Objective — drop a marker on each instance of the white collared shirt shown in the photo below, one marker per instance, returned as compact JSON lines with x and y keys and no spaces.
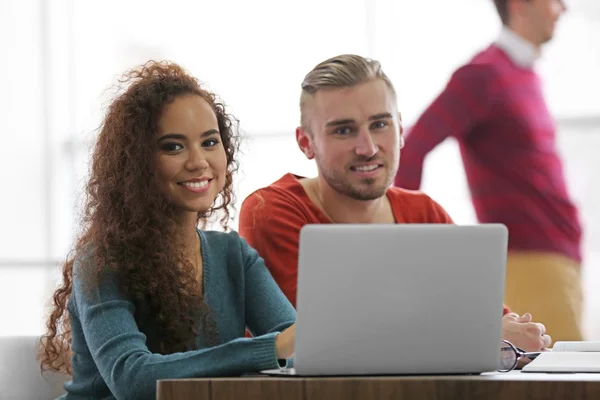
{"x":521,"y":52}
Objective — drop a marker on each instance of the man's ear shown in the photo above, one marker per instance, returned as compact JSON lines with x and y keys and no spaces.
{"x":401,"y":128}
{"x":304,"y":141}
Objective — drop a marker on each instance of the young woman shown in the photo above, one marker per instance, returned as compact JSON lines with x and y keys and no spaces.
{"x":145,"y":294}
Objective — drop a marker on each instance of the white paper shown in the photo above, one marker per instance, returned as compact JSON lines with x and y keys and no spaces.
{"x":564,"y":361}
{"x":577,"y":346}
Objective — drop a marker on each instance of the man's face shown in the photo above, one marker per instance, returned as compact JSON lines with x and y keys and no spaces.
{"x":541,"y":17}
{"x":355,"y":138}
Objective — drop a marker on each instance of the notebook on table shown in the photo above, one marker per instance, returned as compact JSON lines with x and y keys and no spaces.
{"x":568,"y":357}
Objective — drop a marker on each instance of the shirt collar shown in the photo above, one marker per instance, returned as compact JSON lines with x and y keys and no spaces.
{"x":518,"y":49}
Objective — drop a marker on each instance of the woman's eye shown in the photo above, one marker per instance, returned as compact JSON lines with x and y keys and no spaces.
{"x":171,"y":147}
{"x":210,"y":142}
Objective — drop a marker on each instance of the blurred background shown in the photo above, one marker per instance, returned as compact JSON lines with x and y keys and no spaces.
{"x":59,"y":57}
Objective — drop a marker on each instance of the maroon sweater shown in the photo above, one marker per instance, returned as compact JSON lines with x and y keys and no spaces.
{"x":497,"y":113}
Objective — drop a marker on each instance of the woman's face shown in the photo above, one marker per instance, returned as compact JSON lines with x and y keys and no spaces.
{"x":191,"y":163}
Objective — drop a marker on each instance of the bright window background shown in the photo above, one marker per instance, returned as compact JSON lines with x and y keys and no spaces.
{"x":64,"y":54}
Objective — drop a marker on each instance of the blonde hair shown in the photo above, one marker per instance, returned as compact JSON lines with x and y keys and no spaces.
{"x":339,"y":72}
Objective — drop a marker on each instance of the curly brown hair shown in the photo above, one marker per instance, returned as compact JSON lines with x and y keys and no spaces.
{"x":132,"y":227}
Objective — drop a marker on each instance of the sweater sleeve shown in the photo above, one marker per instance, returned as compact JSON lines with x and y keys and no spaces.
{"x":267,"y":308}
{"x":462,"y":105}
{"x":271,"y":223}
{"x":130,"y":370}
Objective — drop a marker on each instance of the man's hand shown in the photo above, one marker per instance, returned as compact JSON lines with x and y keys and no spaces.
{"x":523,"y":333}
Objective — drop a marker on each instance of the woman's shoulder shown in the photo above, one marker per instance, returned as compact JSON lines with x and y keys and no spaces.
{"x":220,"y":237}
{"x":90,"y":282}
{"x":226,"y":245}
{"x":229,"y":242}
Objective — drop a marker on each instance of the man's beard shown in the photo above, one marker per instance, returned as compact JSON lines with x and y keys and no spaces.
{"x":371,"y":190}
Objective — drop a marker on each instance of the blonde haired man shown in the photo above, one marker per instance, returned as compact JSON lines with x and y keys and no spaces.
{"x":351,"y":127}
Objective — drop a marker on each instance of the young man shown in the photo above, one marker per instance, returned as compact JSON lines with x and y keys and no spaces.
{"x":351,"y":127}
{"x":493,"y":106}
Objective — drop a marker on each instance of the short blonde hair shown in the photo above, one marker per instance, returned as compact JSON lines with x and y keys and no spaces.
{"x":339,"y":72}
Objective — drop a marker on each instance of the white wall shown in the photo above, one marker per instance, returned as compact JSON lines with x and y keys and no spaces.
{"x":254,"y":54}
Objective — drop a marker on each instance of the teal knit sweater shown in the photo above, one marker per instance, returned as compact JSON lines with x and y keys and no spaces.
{"x":111,"y":359}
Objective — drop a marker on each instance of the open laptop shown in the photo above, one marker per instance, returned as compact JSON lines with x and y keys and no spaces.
{"x":394,"y":299}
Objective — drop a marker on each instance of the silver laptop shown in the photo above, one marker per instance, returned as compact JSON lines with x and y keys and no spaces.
{"x":394,"y":299}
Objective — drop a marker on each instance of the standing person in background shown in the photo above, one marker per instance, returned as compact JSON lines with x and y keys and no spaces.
{"x":494,"y":107}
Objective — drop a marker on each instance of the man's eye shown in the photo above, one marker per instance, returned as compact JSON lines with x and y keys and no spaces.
{"x":379,"y":124}
{"x":344,"y":130}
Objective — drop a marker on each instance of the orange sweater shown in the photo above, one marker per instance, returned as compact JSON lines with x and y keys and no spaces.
{"x":271,"y":219}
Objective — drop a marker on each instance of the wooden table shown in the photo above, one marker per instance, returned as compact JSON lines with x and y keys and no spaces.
{"x":492,"y":386}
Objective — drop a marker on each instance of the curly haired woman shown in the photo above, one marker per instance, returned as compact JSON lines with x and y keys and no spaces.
{"x":145,"y":294}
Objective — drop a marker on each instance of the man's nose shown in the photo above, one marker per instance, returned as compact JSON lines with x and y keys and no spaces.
{"x":366,"y":145}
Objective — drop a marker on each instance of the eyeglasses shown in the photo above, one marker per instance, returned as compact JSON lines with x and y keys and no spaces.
{"x":510,"y":356}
